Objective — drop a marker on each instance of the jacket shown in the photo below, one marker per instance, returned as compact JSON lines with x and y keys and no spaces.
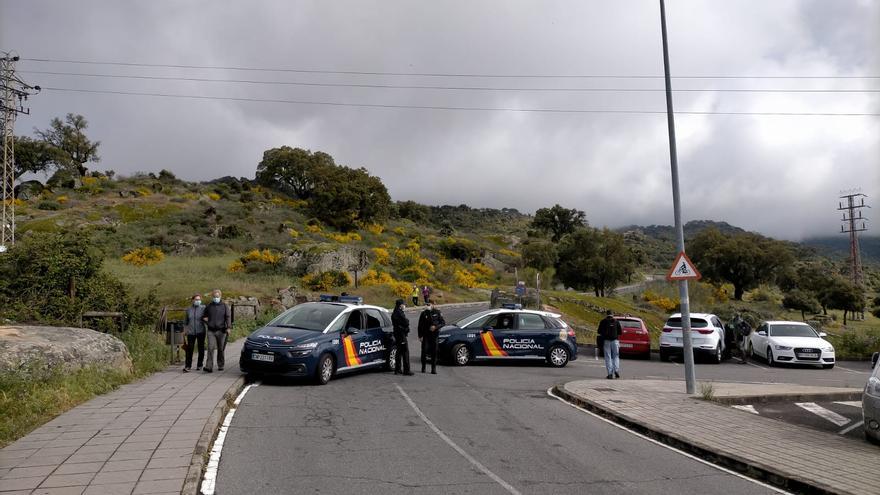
{"x":219,"y":316}
{"x":401,"y":325}
{"x":609,"y":329}
{"x":193,"y":321}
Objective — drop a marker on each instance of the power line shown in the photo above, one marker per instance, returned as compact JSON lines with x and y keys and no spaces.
{"x":426,"y":74}
{"x":450,"y":88}
{"x":439,"y":107}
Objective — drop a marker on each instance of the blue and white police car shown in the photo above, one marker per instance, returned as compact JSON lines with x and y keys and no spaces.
{"x":509,"y":332}
{"x":339,"y":334}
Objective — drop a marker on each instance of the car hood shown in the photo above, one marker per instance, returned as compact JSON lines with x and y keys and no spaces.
{"x":284,"y":336}
{"x":800,"y":341}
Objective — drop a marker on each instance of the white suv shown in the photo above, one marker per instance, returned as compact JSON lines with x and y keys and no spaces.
{"x":707,"y":337}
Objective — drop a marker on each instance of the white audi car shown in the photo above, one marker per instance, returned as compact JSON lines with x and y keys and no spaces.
{"x":791,"y":342}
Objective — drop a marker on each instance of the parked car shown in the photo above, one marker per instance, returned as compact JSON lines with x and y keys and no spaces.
{"x":871,"y":403}
{"x":790,"y":342}
{"x":707,"y":337}
{"x":635,"y":340}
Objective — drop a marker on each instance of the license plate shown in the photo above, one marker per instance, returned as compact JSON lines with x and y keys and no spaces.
{"x":626,"y":346}
{"x":808,"y":355}
{"x":269,"y":358}
{"x":677,"y":340}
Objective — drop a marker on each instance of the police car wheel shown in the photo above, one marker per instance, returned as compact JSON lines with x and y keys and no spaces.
{"x":558,"y":356}
{"x":324,"y":371}
{"x":461,"y":355}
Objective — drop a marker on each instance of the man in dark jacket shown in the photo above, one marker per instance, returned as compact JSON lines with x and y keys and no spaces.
{"x":609,"y":331}
{"x":401,"y":331}
{"x":430,"y":323}
{"x":218,"y":319}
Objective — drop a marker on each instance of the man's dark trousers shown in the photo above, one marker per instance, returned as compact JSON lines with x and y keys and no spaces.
{"x":429,"y":346}
{"x":402,"y":357}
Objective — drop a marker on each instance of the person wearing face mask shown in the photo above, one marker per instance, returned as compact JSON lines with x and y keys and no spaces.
{"x":401,"y":331}
{"x":218,"y":319}
{"x":430,"y":323}
{"x":195,"y":332}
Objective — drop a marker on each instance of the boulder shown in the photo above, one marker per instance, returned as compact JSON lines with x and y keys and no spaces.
{"x":39,"y":348}
{"x":29,"y":190}
{"x":246,"y":308}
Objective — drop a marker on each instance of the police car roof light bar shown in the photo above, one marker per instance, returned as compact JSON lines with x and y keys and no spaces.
{"x":328,"y":298}
{"x":351,"y":299}
{"x":511,"y":306}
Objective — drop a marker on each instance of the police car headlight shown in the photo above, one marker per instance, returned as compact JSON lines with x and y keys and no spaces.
{"x":782,"y":348}
{"x":873,"y":387}
{"x":306,"y":347}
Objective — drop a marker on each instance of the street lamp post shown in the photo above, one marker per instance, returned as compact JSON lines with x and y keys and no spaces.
{"x":688,"y":349}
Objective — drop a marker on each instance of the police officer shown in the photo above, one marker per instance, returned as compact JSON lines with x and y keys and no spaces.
{"x":401,"y":331}
{"x":430,"y":323}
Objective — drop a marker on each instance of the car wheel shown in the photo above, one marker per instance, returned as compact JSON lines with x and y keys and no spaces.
{"x":461,"y":355}
{"x":558,"y":356}
{"x":871,"y":439}
{"x":647,"y":356}
{"x":716,"y":359}
{"x":770,"y":361}
{"x":827,"y":366}
{"x":750,"y":352}
{"x":664,"y":356}
{"x":392,"y":356}
{"x":324,"y":371}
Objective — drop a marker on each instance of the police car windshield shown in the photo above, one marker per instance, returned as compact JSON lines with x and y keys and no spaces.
{"x":308,"y":316}
{"x":467,"y":319}
{"x":792,"y":331}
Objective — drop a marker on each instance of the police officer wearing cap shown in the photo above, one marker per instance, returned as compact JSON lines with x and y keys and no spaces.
{"x":401,"y":331}
{"x":430,"y":323}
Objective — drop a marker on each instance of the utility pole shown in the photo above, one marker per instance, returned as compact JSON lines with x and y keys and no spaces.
{"x":687,"y":346}
{"x":852,"y":215}
{"x":13,"y":94}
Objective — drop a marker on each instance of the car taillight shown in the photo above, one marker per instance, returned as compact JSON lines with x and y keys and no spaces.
{"x":667,"y":329}
{"x":705,"y":331}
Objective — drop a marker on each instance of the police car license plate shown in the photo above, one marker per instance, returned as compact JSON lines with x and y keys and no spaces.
{"x":625,"y":346}
{"x":269,"y":358}
{"x":808,"y":355}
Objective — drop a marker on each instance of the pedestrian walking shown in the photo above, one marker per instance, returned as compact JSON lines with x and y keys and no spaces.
{"x":430,"y":323}
{"x":426,"y":294}
{"x":218,"y":319}
{"x":195,"y":333}
{"x":609,"y":330}
{"x":741,"y":331}
{"x":415,"y":295}
{"x":401,"y":332}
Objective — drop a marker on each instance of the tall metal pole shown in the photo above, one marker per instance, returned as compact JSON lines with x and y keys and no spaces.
{"x":688,"y":348}
{"x":7,"y":173}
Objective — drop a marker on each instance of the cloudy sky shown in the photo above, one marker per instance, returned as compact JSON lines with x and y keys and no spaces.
{"x":779,"y":175}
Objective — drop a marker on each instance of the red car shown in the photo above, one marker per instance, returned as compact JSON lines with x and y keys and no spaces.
{"x":634,"y":338}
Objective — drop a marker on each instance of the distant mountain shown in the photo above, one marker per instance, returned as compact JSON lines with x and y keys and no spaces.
{"x":692,"y":228}
{"x":838,"y":247}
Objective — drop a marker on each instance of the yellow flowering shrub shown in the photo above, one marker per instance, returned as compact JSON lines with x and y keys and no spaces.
{"x":144,"y":256}
{"x":142,"y":192}
{"x":375,"y":228}
{"x":190,"y":196}
{"x":325,"y":281}
{"x":62,"y":199}
{"x":344,"y":238}
{"x":375,"y":277}
{"x":401,"y":289}
{"x":266,"y":256}
{"x":482,"y":271}
{"x":383,"y":257}
{"x":399,"y":231}
{"x":508,"y":252}
{"x":293,"y":233}
{"x":314,"y":228}
{"x":214,"y":196}
{"x":664,"y":303}
{"x":277,"y":201}
{"x":235,"y":267}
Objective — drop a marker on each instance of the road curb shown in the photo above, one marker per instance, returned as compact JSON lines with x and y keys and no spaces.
{"x":766,"y":473}
{"x":209,"y":433}
{"x":855,"y":395}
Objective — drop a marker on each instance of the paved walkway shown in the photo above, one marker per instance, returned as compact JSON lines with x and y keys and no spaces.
{"x":146,"y":437}
{"x":801,"y":459}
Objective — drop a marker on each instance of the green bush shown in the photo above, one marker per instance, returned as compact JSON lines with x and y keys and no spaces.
{"x":48,"y":204}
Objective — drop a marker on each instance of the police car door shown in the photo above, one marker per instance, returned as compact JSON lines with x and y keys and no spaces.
{"x":353,"y":339}
{"x":500,"y":328}
{"x":373,"y":345}
{"x":533,"y":336}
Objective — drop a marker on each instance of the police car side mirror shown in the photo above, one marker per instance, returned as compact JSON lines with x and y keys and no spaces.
{"x":351,"y":330}
{"x":487,"y":329}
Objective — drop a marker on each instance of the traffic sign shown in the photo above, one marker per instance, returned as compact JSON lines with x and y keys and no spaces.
{"x":683,"y":269}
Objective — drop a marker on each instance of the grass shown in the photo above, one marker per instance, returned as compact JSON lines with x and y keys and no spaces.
{"x":707,"y":391}
{"x":579,"y":309}
{"x":30,"y":399}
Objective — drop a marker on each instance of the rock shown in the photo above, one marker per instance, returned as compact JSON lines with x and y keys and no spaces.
{"x":28,"y":190}
{"x":287,"y":297}
{"x":49,"y":348}
{"x":245,"y":308}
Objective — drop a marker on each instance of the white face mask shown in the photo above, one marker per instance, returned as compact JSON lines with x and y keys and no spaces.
{"x":197,"y":302}
{"x":216,"y":300}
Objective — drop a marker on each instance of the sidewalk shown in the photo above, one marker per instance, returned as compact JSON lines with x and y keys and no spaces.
{"x":149,"y":436}
{"x":796,"y":458}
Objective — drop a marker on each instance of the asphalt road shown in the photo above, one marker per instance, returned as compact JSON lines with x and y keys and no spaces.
{"x":486,"y":428}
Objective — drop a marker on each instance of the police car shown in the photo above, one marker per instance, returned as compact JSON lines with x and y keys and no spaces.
{"x":339,"y":334}
{"x":509,"y":332}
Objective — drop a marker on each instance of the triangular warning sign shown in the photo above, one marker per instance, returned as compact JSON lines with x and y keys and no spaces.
{"x":683,"y":269}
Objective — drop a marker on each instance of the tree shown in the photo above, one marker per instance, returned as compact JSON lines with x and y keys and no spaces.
{"x":345,"y":197}
{"x":801,"y":300}
{"x":293,"y":170}
{"x":745,"y":260}
{"x":539,"y":254}
{"x":597,"y":259}
{"x":844,"y":295}
{"x":72,"y":148}
{"x":32,"y":156}
{"x":558,"y":221}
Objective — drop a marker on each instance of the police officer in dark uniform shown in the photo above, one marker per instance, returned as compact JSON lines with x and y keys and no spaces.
{"x":430,"y":323}
{"x":401,"y":331}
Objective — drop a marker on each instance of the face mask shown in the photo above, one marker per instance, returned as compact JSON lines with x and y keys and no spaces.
{"x":402,"y":307}
{"x":216,"y":300}
{"x":197,"y":302}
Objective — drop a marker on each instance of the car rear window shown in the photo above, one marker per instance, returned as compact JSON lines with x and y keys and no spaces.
{"x":630,"y":324}
{"x":695,"y":323}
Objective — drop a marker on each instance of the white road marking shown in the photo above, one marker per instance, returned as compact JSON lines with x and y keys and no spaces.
{"x":823,"y":413}
{"x":656,"y":442}
{"x":755,"y":365}
{"x":507,"y":486}
{"x":851,"y":403}
{"x":849,"y":370}
{"x":209,"y":480}
{"x":851,"y":427}
{"x":747,"y":408}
